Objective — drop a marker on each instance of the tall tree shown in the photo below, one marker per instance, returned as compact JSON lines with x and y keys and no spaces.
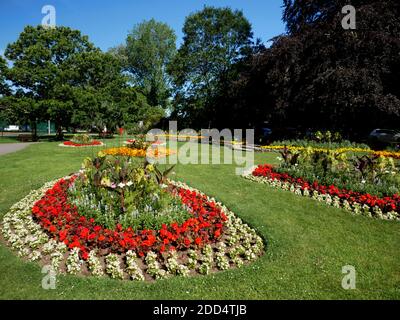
{"x":214,"y":39}
{"x":149,"y":48}
{"x":4,"y":87}
{"x":320,"y":75}
{"x":40,"y":61}
{"x":102,"y":96}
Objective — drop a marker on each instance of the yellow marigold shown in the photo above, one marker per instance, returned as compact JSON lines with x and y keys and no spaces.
{"x":130,"y":152}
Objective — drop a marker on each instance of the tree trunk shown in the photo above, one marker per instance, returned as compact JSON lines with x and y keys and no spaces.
{"x":34,"y":131}
{"x":60,"y":134}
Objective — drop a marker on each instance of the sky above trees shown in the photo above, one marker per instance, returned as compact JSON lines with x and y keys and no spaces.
{"x":107,"y":22}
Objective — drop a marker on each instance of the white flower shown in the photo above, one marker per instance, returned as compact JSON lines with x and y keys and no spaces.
{"x":121,"y":185}
{"x":129,"y":183}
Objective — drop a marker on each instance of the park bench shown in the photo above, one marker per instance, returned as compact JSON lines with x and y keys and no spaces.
{"x":106,"y":135}
{"x":25,"y":137}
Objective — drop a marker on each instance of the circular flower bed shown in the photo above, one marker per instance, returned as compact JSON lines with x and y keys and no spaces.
{"x":81,"y":140}
{"x":94,"y":143}
{"x":48,"y":227}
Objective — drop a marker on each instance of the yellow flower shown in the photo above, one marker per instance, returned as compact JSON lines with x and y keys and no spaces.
{"x":386,"y":154}
{"x":130,"y":152}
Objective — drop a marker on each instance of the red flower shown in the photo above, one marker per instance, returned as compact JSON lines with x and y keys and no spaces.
{"x":53,"y":211}
{"x":187,"y":242}
{"x":85,"y":255}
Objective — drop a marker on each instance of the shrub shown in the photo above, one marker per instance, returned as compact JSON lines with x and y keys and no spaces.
{"x":82,"y":139}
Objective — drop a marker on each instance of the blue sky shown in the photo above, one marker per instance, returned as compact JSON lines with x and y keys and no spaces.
{"x":107,"y":22}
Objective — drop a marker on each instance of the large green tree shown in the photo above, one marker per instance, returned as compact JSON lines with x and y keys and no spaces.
{"x":149,"y":48}
{"x":102,"y":95}
{"x":41,"y":60}
{"x":4,"y":87}
{"x":214,"y":39}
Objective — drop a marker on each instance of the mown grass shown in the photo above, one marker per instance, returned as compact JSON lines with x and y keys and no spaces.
{"x":308,"y":243}
{"x":6,"y":139}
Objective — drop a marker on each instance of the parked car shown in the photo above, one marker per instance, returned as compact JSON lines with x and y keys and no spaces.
{"x":11,"y":128}
{"x":384,"y":137}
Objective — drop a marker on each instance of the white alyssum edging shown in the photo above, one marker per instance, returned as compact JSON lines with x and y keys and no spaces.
{"x":335,"y":201}
{"x":27,"y":238}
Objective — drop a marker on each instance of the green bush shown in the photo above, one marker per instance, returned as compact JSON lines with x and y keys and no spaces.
{"x":82,"y":139}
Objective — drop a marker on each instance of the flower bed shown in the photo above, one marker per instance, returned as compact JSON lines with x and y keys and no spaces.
{"x":356,"y":202}
{"x":391,"y":154}
{"x":132,"y":152}
{"x":72,"y":144}
{"x":158,"y":142}
{"x":45,"y":226}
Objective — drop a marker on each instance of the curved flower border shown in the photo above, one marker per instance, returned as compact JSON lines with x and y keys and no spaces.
{"x":235,"y":244}
{"x":71,"y":144}
{"x":386,"y":154}
{"x":387,"y":208}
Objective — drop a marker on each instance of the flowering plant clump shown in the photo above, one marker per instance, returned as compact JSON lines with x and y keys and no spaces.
{"x":359,"y":203}
{"x":375,"y":175}
{"x":157,"y":152}
{"x":116,"y":190}
{"x":82,"y":140}
{"x":290,"y":145}
{"x":45,"y":226}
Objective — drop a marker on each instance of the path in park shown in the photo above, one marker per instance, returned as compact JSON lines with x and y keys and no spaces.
{"x":12,"y":147}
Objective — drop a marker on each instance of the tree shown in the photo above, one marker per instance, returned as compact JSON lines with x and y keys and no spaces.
{"x":40,"y":62}
{"x":4,"y":87}
{"x":320,"y":75}
{"x":149,"y":48}
{"x":214,"y":39}
{"x":102,"y":95}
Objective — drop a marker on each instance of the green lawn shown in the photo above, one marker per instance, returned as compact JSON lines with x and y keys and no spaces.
{"x":308,"y":242}
{"x":7,"y":139}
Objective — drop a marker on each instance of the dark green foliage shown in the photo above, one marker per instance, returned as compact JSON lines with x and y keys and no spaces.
{"x":61,"y":76}
{"x":4,"y":88}
{"x":320,"y":75}
{"x":149,"y":47}
{"x":214,"y":39}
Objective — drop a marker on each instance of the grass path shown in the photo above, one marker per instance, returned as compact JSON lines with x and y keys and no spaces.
{"x":308,"y":242}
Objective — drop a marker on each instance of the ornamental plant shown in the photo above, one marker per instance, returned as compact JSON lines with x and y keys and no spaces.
{"x":387,"y":207}
{"x":82,"y":139}
{"x":117,"y":190}
{"x":44,"y":226}
{"x":376,"y":175}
